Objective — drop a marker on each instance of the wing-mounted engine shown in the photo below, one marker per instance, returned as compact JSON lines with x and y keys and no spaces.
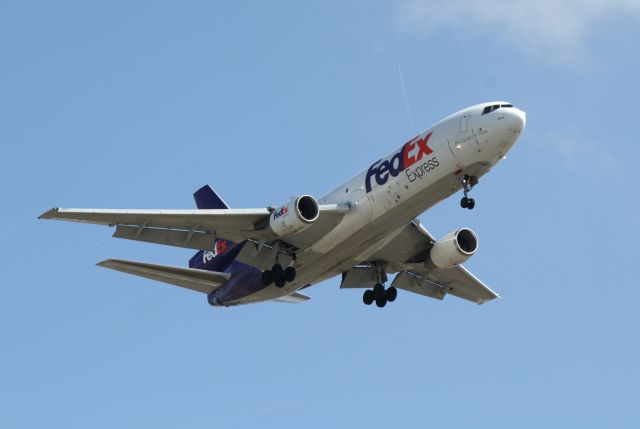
{"x":295,"y":216}
{"x":455,"y":248}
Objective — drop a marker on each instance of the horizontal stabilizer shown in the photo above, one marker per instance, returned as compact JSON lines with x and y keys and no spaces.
{"x":294,"y":298}
{"x":189,"y":278}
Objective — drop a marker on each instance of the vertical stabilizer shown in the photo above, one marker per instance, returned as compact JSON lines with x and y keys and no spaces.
{"x":206,"y":198}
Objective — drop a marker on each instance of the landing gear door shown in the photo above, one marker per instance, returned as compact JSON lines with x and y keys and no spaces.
{"x":464,"y":122}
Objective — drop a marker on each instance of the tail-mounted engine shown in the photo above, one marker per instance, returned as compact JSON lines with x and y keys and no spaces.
{"x":455,"y":248}
{"x":295,"y":216}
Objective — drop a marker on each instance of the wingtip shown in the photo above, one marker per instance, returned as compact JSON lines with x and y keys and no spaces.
{"x":49,"y":214}
{"x":482,"y":301}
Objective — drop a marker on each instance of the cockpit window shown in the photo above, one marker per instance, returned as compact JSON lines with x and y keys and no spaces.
{"x":489,"y":109}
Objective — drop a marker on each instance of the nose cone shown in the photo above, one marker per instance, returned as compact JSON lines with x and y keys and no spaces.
{"x":511,"y":124}
{"x":519,"y":119}
{"x":516,"y":119}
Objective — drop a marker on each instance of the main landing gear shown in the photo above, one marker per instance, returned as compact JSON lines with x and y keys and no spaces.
{"x":379,"y":294}
{"x":278,"y":275}
{"x":468,"y":182}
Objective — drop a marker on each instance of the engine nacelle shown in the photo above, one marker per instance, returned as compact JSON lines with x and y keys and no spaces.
{"x":295,"y":216}
{"x":455,"y":248}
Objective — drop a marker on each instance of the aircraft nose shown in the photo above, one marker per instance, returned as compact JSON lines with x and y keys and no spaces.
{"x":516,"y":119}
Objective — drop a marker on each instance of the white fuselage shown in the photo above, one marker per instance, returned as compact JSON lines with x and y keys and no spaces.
{"x":400,"y":186}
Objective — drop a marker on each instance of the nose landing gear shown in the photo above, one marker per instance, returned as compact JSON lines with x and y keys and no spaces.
{"x":468,"y":182}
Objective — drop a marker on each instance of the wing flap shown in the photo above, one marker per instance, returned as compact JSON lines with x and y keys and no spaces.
{"x":169,"y":237}
{"x":458,"y":281}
{"x":416,"y":284}
{"x":188,"y":278}
{"x":436,"y":283}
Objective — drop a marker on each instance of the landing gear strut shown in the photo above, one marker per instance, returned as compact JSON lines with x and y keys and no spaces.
{"x":468,"y":182}
{"x":278,"y":275}
{"x":379,"y":293}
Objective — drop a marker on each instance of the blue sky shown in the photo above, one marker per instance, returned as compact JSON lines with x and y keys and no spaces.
{"x":137,"y":104}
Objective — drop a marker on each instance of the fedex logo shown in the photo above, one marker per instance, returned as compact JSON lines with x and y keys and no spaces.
{"x":219,"y":247}
{"x":208,"y":256}
{"x":409,"y":154}
{"x":283,"y":211}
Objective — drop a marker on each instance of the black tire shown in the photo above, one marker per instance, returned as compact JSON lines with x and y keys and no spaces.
{"x":378,"y":292}
{"x":290,"y":274}
{"x":367,"y":297}
{"x":267,"y":278}
{"x":381,"y":302}
{"x":471,"y":204}
{"x":464,"y":202}
{"x":277,"y":271}
{"x":392,"y":294}
{"x":280,"y":282}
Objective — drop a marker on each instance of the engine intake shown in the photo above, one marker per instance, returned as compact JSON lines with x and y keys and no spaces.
{"x":295,"y":216}
{"x":455,"y":248}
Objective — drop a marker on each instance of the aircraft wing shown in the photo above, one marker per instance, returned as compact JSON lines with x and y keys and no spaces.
{"x":196,"y":229}
{"x":232,"y":224}
{"x":406,"y":253}
{"x":188,"y":278}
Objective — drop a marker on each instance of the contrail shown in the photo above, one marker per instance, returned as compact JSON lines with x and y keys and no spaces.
{"x":406,"y":100}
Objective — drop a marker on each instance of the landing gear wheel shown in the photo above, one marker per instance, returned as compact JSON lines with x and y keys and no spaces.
{"x":290,"y":274}
{"x":277,"y":271}
{"x":392,"y":294}
{"x":280,"y":282}
{"x":379,"y":293}
{"x":468,"y":182}
{"x":471,"y":204}
{"x":367,"y":297}
{"x":267,"y":278}
{"x":381,"y":302}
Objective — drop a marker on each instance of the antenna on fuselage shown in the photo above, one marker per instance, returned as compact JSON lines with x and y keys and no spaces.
{"x":406,"y":100}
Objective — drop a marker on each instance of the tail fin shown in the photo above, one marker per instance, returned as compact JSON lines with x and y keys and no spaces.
{"x":206,"y":198}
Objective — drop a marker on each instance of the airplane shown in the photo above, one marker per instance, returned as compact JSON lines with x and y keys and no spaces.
{"x":363,"y":230}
